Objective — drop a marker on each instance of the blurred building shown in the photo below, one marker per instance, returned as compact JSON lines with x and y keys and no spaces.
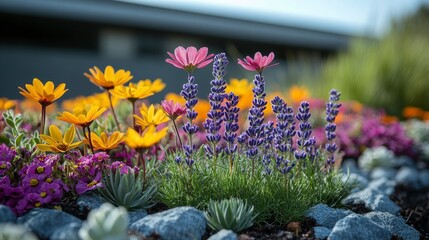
{"x":59,"y":40}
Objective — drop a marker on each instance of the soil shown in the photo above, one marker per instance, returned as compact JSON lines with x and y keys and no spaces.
{"x":414,"y":207}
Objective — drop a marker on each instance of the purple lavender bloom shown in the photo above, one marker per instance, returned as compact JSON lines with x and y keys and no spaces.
{"x":331,"y":113}
{"x":231,"y":123}
{"x":189,"y":92}
{"x":256,"y":117}
{"x":283,"y":134}
{"x":306,"y":143}
{"x":214,"y":119}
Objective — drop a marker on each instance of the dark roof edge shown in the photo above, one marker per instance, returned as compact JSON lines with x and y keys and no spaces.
{"x":149,"y":17}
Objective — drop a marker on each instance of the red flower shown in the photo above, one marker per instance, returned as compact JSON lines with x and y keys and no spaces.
{"x":173,"y":109}
{"x":258,"y":63}
{"x":189,"y":58}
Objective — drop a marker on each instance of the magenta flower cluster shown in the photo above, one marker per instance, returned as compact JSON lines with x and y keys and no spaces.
{"x":34,"y":185}
{"x":89,"y":172}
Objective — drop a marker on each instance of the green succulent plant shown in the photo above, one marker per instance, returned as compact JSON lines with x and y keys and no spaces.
{"x":128,"y":190}
{"x":232,"y":214}
{"x":106,"y":222}
{"x":9,"y":231}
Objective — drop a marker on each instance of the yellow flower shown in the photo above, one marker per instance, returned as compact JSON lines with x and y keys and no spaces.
{"x":151,"y":116}
{"x":175,"y":97}
{"x":243,"y":89}
{"x":202,"y":108}
{"x":133,"y":92}
{"x":105,"y":142}
{"x":6,"y":104}
{"x":148,"y":138}
{"x":298,"y":94}
{"x":55,"y":142}
{"x":44,"y":94}
{"x":82,"y":116}
{"x":109,"y":79}
{"x":100,"y":99}
{"x":156,"y":86}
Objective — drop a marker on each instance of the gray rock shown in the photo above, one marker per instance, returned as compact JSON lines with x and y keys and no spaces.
{"x":90,"y":200}
{"x":374,"y":200}
{"x":356,"y":226}
{"x":176,"y":223}
{"x":44,"y":222}
{"x":136,"y":216}
{"x":350,"y":166}
{"x":359,"y":181}
{"x":383,"y":185}
{"x":326,"y":216}
{"x":15,"y":231}
{"x":321,"y":232}
{"x":404,"y":161}
{"x":395,"y":225}
{"x":380,"y":172}
{"x":408,"y":176}
{"x":67,"y":232}
{"x":424,"y":178}
{"x":7,"y":215}
{"x":224,"y":235}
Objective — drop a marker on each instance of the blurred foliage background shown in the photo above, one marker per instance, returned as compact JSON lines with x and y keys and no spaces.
{"x":390,"y":73}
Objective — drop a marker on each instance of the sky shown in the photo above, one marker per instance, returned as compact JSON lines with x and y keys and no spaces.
{"x":355,"y":17}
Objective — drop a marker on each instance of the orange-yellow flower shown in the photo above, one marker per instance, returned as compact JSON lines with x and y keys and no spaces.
{"x":109,"y":78}
{"x":297,"y":94}
{"x":175,"y":97}
{"x":100,"y":99}
{"x":151,"y":116}
{"x":82,"y":116}
{"x":133,"y":92}
{"x":243,"y":89}
{"x":105,"y":142}
{"x":44,"y":94}
{"x":412,"y":112}
{"x":55,"y":142}
{"x":148,"y":138}
{"x":202,"y":108}
{"x":156,"y":86}
{"x":6,"y":104}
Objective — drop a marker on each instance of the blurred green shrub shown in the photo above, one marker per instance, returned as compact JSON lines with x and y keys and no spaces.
{"x":389,"y":73}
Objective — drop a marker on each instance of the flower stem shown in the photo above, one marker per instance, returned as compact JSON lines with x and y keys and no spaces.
{"x":42,"y":123}
{"x":133,"y":105}
{"x":177,"y":133}
{"x":143,"y":161}
{"x":113,"y":110}
{"x":84,"y":145}
{"x":89,"y":139}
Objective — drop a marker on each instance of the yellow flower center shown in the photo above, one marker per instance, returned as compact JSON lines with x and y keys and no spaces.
{"x":40,"y":170}
{"x":3,"y":166}
{"x":34,"y":182}
{"x":91,"y":183}
{"x":38,"y":204}
{"x":43,"y":194}
{"x":62,"y":147}
{"x":49,"y":180}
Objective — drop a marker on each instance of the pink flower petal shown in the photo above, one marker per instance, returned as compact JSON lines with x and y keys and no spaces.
{"x":205,"y":63}
{"x":257,"y":59}
{"x":174,"y":63}
{"x":191,"y":53}
{"x":201,"y":55}
{"x":180,"y":53}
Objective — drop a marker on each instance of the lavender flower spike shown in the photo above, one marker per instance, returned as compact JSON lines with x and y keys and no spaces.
{"x":305,"y":141}
{"x":189,"y":92}
{"x":283,"y":134}
{"x":214,"y":119}
{"x":331,"y":113}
